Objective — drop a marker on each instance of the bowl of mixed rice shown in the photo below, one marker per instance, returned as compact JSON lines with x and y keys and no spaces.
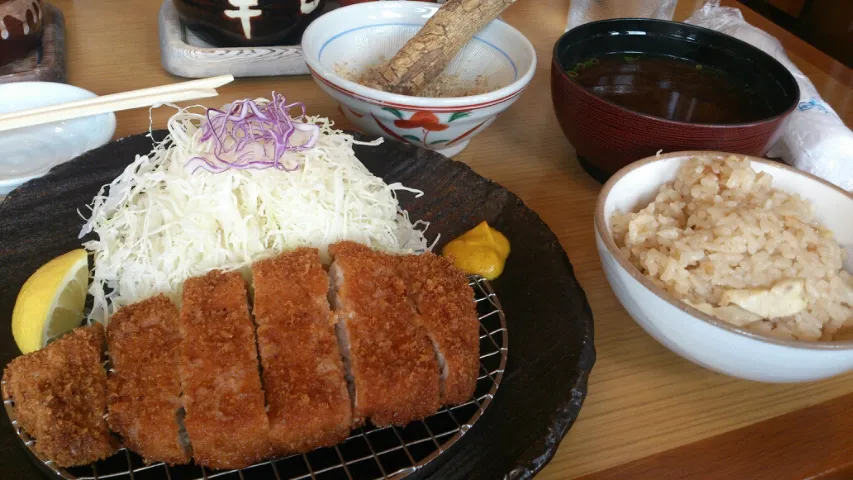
{"x":739,"y":264}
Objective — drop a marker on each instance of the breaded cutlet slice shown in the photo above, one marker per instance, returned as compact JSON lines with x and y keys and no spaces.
{"x":390,"y":360}
{"x":225,"y":415}
{"x":307,"y":400}
{"x":445,"y":305}
{"x":144,"y":385}
{"x":60,"y":395}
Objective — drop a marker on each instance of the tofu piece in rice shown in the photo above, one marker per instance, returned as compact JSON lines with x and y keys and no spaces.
{"x":226,"y":418}
{"x":391,"y":362}
{"x":445,"y":305}
{"x":60,"y":395}
{"x":144,"y":384}
{"x":303,"y":375}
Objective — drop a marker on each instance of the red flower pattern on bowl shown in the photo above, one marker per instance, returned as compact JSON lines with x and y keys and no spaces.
{"x":426,"y":120}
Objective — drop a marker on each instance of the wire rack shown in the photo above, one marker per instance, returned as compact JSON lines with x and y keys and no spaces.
{"x":369,"y":453}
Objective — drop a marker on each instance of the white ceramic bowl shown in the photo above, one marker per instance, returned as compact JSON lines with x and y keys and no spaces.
{"x":31,"y":152}
{"x":701,"y":338}
{"x":353,"y":38}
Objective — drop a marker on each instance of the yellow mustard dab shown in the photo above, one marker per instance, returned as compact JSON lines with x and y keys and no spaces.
{"x":481,"y":251}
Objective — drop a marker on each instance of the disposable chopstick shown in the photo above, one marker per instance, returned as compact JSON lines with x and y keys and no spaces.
{"x":146,"y":97}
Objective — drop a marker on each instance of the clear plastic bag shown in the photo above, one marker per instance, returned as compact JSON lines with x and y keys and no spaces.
{"x":814,"y":139}
{"x":584,"y":11}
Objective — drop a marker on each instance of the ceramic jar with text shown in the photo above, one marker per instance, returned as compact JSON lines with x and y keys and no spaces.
{"x":20,"y":28}
{"x":246,"y":23}
{"x":344,"y":3}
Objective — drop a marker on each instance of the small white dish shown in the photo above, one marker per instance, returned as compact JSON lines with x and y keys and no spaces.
{"x":696,"y":336}
{"x":352,"y":38}
{"x":27,"y":153}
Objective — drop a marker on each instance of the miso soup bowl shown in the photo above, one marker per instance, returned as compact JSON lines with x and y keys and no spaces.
{"x":692,"y":334}
{"x":607,"y":136}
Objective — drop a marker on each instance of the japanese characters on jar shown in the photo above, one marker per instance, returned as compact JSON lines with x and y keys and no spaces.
{"x":229,"y":23}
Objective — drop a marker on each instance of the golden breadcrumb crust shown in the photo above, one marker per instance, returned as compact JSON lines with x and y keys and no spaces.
{"x":144,"y":385}
{"x":393,"y":363}
{"x":398,"y":317}
{"x":307,"y":398}
{"x":60,"y":395}
{"x":445,"y":304}
{"x":225,"y":416}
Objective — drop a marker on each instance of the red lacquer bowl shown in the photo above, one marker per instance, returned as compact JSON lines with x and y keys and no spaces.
{"x":607,"y":136}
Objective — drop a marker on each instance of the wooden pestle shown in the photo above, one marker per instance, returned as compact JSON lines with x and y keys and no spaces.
{"x":423,"y":58}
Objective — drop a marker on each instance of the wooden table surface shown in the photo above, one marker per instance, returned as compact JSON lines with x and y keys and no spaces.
{"x":649,"y":414}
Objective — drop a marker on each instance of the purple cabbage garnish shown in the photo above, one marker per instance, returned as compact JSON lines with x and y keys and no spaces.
{"x":245,"y":130}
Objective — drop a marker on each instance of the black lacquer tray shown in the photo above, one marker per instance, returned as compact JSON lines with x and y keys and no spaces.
{"x":547,"y":315}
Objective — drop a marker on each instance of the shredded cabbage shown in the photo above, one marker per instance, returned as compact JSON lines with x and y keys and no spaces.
{"x":158,"y":223}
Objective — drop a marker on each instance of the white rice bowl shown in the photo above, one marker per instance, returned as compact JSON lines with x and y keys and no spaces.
{"x":720,"y":228}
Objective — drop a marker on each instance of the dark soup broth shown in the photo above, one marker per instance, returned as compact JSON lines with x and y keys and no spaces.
{"x":671,"y":88}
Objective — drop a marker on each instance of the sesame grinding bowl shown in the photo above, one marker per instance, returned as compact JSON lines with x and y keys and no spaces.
{"x":483,"y":80}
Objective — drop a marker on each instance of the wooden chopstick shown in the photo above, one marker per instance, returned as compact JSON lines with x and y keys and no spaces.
{"x":146,"y":97}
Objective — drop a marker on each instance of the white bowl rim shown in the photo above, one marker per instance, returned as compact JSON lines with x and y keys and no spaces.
{"x":610,"y":245}
{"x":16,"y":181}
{"x":372,"y":95}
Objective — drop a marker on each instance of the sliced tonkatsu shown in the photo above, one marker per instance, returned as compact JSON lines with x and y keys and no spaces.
{"x":144,"y":385}
{"x":389,"y":356}
{"x":303,"y":376}
{"x":384,"y":338}
{"x":445,"y":305}
{"x":225,"y":418}
{"x":60,"y":395}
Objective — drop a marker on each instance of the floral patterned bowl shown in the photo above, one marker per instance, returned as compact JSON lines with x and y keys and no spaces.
{"x":341,"y":44}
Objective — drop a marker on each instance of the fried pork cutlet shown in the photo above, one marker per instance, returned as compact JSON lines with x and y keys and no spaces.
{"x":225,"y":416}
{"x":144,"y":385}
{"x":307,"y":399}
{"x":445,"y":305}
{"x":60,"y":395}
{"x":394,"y":369}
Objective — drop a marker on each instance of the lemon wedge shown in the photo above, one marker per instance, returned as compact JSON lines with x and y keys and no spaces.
{"x":51,"y":301}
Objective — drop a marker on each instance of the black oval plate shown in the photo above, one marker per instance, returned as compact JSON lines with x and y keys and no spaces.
{"x":548,"y":318}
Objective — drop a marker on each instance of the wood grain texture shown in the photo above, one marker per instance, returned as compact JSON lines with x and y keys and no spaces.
{"x":643,"y":399}
{"x":813,"y":62}
{"x":812,"y":443}
{"x":47,"y":63}
{"x":425,"y":56}
{"x":182,"y":57}
{"x":791,"y":7}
